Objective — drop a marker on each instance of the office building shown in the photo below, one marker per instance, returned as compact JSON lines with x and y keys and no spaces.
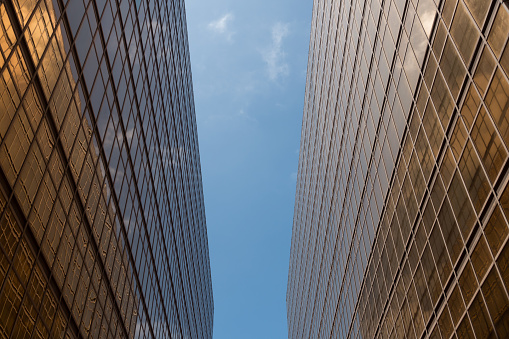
{"x":402,"y":204}
{"x":102,"y":223}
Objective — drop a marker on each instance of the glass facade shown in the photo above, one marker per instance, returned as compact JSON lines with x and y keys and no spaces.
{"x":102,"y":222}
{"x":402,"y":204}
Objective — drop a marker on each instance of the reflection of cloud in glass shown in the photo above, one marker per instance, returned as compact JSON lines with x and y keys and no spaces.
{"x":426,"y":12}
{"x":81,"y":213}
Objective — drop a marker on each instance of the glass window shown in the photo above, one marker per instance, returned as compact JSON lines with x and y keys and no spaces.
{"x":497,"y":303}
{"x":480,"y":318}
{"x":422,"y":292}
{"x":422,"y":99}
{"x":470,"y":106}
{"x":458,"y":138}
{"x":447,"y":168}
{"x":496,"y":230}
{"x":504,"y":61}
{"x":418,"y":41}
{"x":450,"y":232}
{"x":465,"y":329}
{"x":433,"y":129}
{"x":443,"y":263}
{"x":452,"y":68}
{"x":456,"y":305}
{"x":439,"y":41}
{"x":484,"y":70}
{"x":504,"y":200}
{"x":499,"y":31}
{"x":503,"y":265}
{"x":414,"y":124}
{"x":475,"y":179}
{"x":442,"y":100}
{"x":468,"y":282}
{"x":497,"y":100}
{"x":481,"y":258}
{"x":479,"y":9}
{"x":445,"y":323}
{"x":428,"y":217}
{"x":417,"y":178}
{"x":448,"y":11}
{"x":489,"y":145}
{"x":394,"y":21}
{"x":426,"y":11}
{"x":461,"y":205}
{"x":437,"y":193}
{"x":464,"y":32}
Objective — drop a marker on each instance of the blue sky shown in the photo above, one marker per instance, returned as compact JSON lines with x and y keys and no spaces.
{"x":249,"y":62}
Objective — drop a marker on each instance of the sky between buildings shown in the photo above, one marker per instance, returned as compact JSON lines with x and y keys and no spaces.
{"x":249,"y":62}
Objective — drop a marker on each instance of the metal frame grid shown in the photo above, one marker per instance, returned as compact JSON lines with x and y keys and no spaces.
{"x":402,"y":172}
{"x":102,"y":222}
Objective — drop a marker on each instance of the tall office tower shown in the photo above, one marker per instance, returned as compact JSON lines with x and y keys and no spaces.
{"x":102,"y":224}
{"x":402,"y":204}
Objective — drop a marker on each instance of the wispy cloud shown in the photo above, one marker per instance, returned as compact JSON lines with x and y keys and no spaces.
{"x":243,"y":114}
{"x":293,"y":176}
{"x":222,"y":26}
{"x":275,"y":56}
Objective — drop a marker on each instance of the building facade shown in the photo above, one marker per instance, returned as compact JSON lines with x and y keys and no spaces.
{"x":402,"y":203}
{"x":102,"y":222}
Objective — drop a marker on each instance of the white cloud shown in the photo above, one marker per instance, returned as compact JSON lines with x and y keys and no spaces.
{"x":243,"y":114}
{"x":222,"y":26}
{"x":275,"y":56}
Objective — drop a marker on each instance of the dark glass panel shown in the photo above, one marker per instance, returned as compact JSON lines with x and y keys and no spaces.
{"x":503,"y":265}
{"x":499,"y":31}
{"x":481,"y":258}
{"x":489,"y":145}
{"x":461,"y":205}
{"x":445,"y":323}
{"x":497,"y":100}
{"x":497,"y":302}
{"x":458,"y":138}
{"x":468,"y":282}
{"x":496,"y":230}
{"x":480,"y":318}
{"x":442,"y":261}
{"x":475,"y":179}
{"x":456,"y":305}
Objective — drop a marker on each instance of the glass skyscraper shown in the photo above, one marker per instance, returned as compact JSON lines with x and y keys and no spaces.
{"x":102,"y":222}
{"x":402,"y":204}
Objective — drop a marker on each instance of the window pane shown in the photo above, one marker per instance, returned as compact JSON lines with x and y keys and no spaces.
{"x":464,"y":32}
{"x":499,"y":31}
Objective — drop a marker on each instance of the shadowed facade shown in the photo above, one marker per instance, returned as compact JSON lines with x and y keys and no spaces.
{"x":102,"y":222}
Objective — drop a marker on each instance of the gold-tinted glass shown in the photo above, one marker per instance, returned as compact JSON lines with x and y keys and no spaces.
{"x":499,"y":31}
{"x":491,"y":150}
{"x":484,"y":70}
{"x":496,"y":231}
{"x":87,"y":204}
{"x":479,"y":10}
{"x":443,"y":223}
